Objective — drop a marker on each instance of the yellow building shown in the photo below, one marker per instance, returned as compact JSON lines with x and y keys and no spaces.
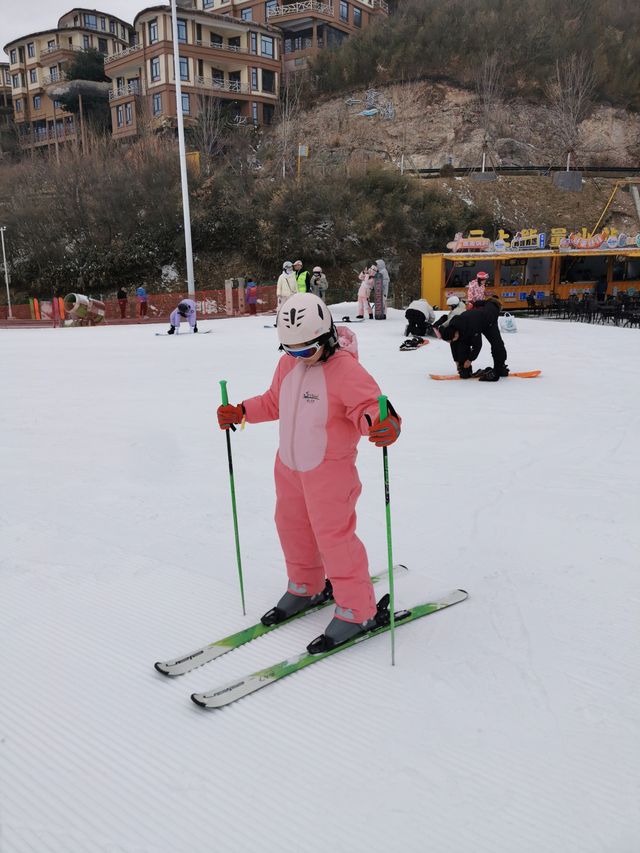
{"x":514,"y":273}
{"x":38,"y":60}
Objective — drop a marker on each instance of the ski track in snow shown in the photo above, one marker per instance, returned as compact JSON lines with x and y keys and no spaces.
{"x":510,"y":723}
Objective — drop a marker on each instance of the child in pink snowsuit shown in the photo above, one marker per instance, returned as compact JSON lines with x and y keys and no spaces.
{"x":325,"y":401}
{"x":364,"y":291}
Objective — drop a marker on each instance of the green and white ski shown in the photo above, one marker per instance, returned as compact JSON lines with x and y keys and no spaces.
{"x":227,"y":693}
{"x":211,"y":651}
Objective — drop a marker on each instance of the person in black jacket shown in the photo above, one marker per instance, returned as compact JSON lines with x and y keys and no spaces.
{"x":465,"y":327}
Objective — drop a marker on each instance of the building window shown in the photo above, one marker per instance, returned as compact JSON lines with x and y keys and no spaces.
{"x":128,"y":113}
{"x":16,"y":82}
{"x":344,"y":10}
{"x":254,"y":112}
{"x":269,"y":6}
{"x":119,"y":116}
{"x":357,"y":17}
{"x":33,"y":75}
{"x":54,"y":73}
{"x":37,"y":102}
{"x":51,"y":44}
{"x":208,"y":4}
{"x":91,"y":21}
{"x":254,"y":78}
{"x":234,"y":42}
{"x":19,"y":105}
{"x":245,"y":14}
{"x":268,"y":81}
{"x":234,"y":81}
{"x":268,"y":111}
{"x":103,"y":23}
{"x":31,"y":50}
{"x":153,"y":31}
{"x":253,"y":41}
{"x":217,"y":76}
{"x":157,"y":104}
{"x":57,"y":105}
{"x":182,"y":30}
{"x":155,"y":68}
{"x":113,"y":27}
{"x":184,"y":68}
{"x":186,"y":104}
{"x":103,"y":46}
{"x":86,"y":42}
{"x":266,"y":46}
{"x":215,"y":40}
{"x":14,"y":56}
{"x":123,"y":32}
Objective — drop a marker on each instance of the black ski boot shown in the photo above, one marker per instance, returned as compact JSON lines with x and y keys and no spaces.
{"x":481,"y":372}
{"x":339,"y":632}
{"x":491,"y":375}
{"x":172,"y":330}
{"x":290,"y":605}
{"x":195,"y":329}
{"x":465,"y":372}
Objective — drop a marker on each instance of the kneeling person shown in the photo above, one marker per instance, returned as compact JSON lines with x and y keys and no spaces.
{"x":186,"y":310}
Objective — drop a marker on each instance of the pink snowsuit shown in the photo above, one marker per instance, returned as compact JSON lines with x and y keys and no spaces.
{"x":322,"y":410}
{"x":364,"y":291}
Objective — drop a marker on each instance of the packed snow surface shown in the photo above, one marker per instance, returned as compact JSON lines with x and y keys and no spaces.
{"x":510,"y":723}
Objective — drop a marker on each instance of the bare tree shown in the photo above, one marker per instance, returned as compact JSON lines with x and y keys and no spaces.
{"x":570,"y":94}
{"x":490,"y":91}
{"x":210,"y":126}
{"x":287,"y":114}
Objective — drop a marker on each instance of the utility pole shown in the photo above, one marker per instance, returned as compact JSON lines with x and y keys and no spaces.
{"x":3,"y":228}
{"x":191,"y":288}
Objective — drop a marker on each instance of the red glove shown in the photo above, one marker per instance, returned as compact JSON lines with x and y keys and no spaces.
{"x":228,"y":416}
{"x":383,"y":433}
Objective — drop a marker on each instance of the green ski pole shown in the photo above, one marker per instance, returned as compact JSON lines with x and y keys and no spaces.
{"x":385,"y":462}
{"x":225,"y":402}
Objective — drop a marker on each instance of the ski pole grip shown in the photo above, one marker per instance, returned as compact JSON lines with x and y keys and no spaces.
{"x":382,"y":401}
{"x":223,"y":389}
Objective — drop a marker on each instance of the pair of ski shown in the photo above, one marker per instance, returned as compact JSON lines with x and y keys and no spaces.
{"x":218,"y":697}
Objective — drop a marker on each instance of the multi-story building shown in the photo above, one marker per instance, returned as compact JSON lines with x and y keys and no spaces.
{"x":6,"y":110}
{"x":38,"y":60}
{"x":307,"y":26}
{"x":223,"y":61}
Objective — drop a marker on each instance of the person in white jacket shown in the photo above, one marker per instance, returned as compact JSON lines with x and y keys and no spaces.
{"x":420,"y":317}
{"x":287,"y":284}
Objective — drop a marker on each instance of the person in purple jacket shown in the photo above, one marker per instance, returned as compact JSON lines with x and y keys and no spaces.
{"x":186,"y":310}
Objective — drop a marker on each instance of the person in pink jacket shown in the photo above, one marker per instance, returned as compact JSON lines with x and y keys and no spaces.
{"x":367,"y":279}
{"x":325,"y":401}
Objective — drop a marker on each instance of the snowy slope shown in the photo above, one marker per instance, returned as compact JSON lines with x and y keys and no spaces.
{"x":509,"y":724}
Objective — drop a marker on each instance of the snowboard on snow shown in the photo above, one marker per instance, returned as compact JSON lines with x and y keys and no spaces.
{"x":404,"y":348}
{"x":182,"y":334}
{"x":526,"y":374}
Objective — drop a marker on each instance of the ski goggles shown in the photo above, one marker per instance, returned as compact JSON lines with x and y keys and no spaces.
{"x":303,"y":352}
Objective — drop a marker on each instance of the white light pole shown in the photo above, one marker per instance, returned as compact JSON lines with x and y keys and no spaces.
{"x":6,"y":271}
{"x":191,"y":288}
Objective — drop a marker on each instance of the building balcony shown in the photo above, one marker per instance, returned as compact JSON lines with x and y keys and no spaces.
{"x":127,"y":52}
{"x":129,"y":90}
{"x":51,"y":79}
{"x":224,"y":47}
{"x":382,"y":5}
{"x":218,"y":85}
{"x":60,"y":48}
{"x":303,"y":7}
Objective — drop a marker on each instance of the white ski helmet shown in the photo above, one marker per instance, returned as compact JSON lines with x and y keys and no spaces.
{"x":452,"y":301}
{"x":302,"y":319}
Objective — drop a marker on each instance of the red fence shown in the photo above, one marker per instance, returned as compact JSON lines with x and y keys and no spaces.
{"x":210,"y":305}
